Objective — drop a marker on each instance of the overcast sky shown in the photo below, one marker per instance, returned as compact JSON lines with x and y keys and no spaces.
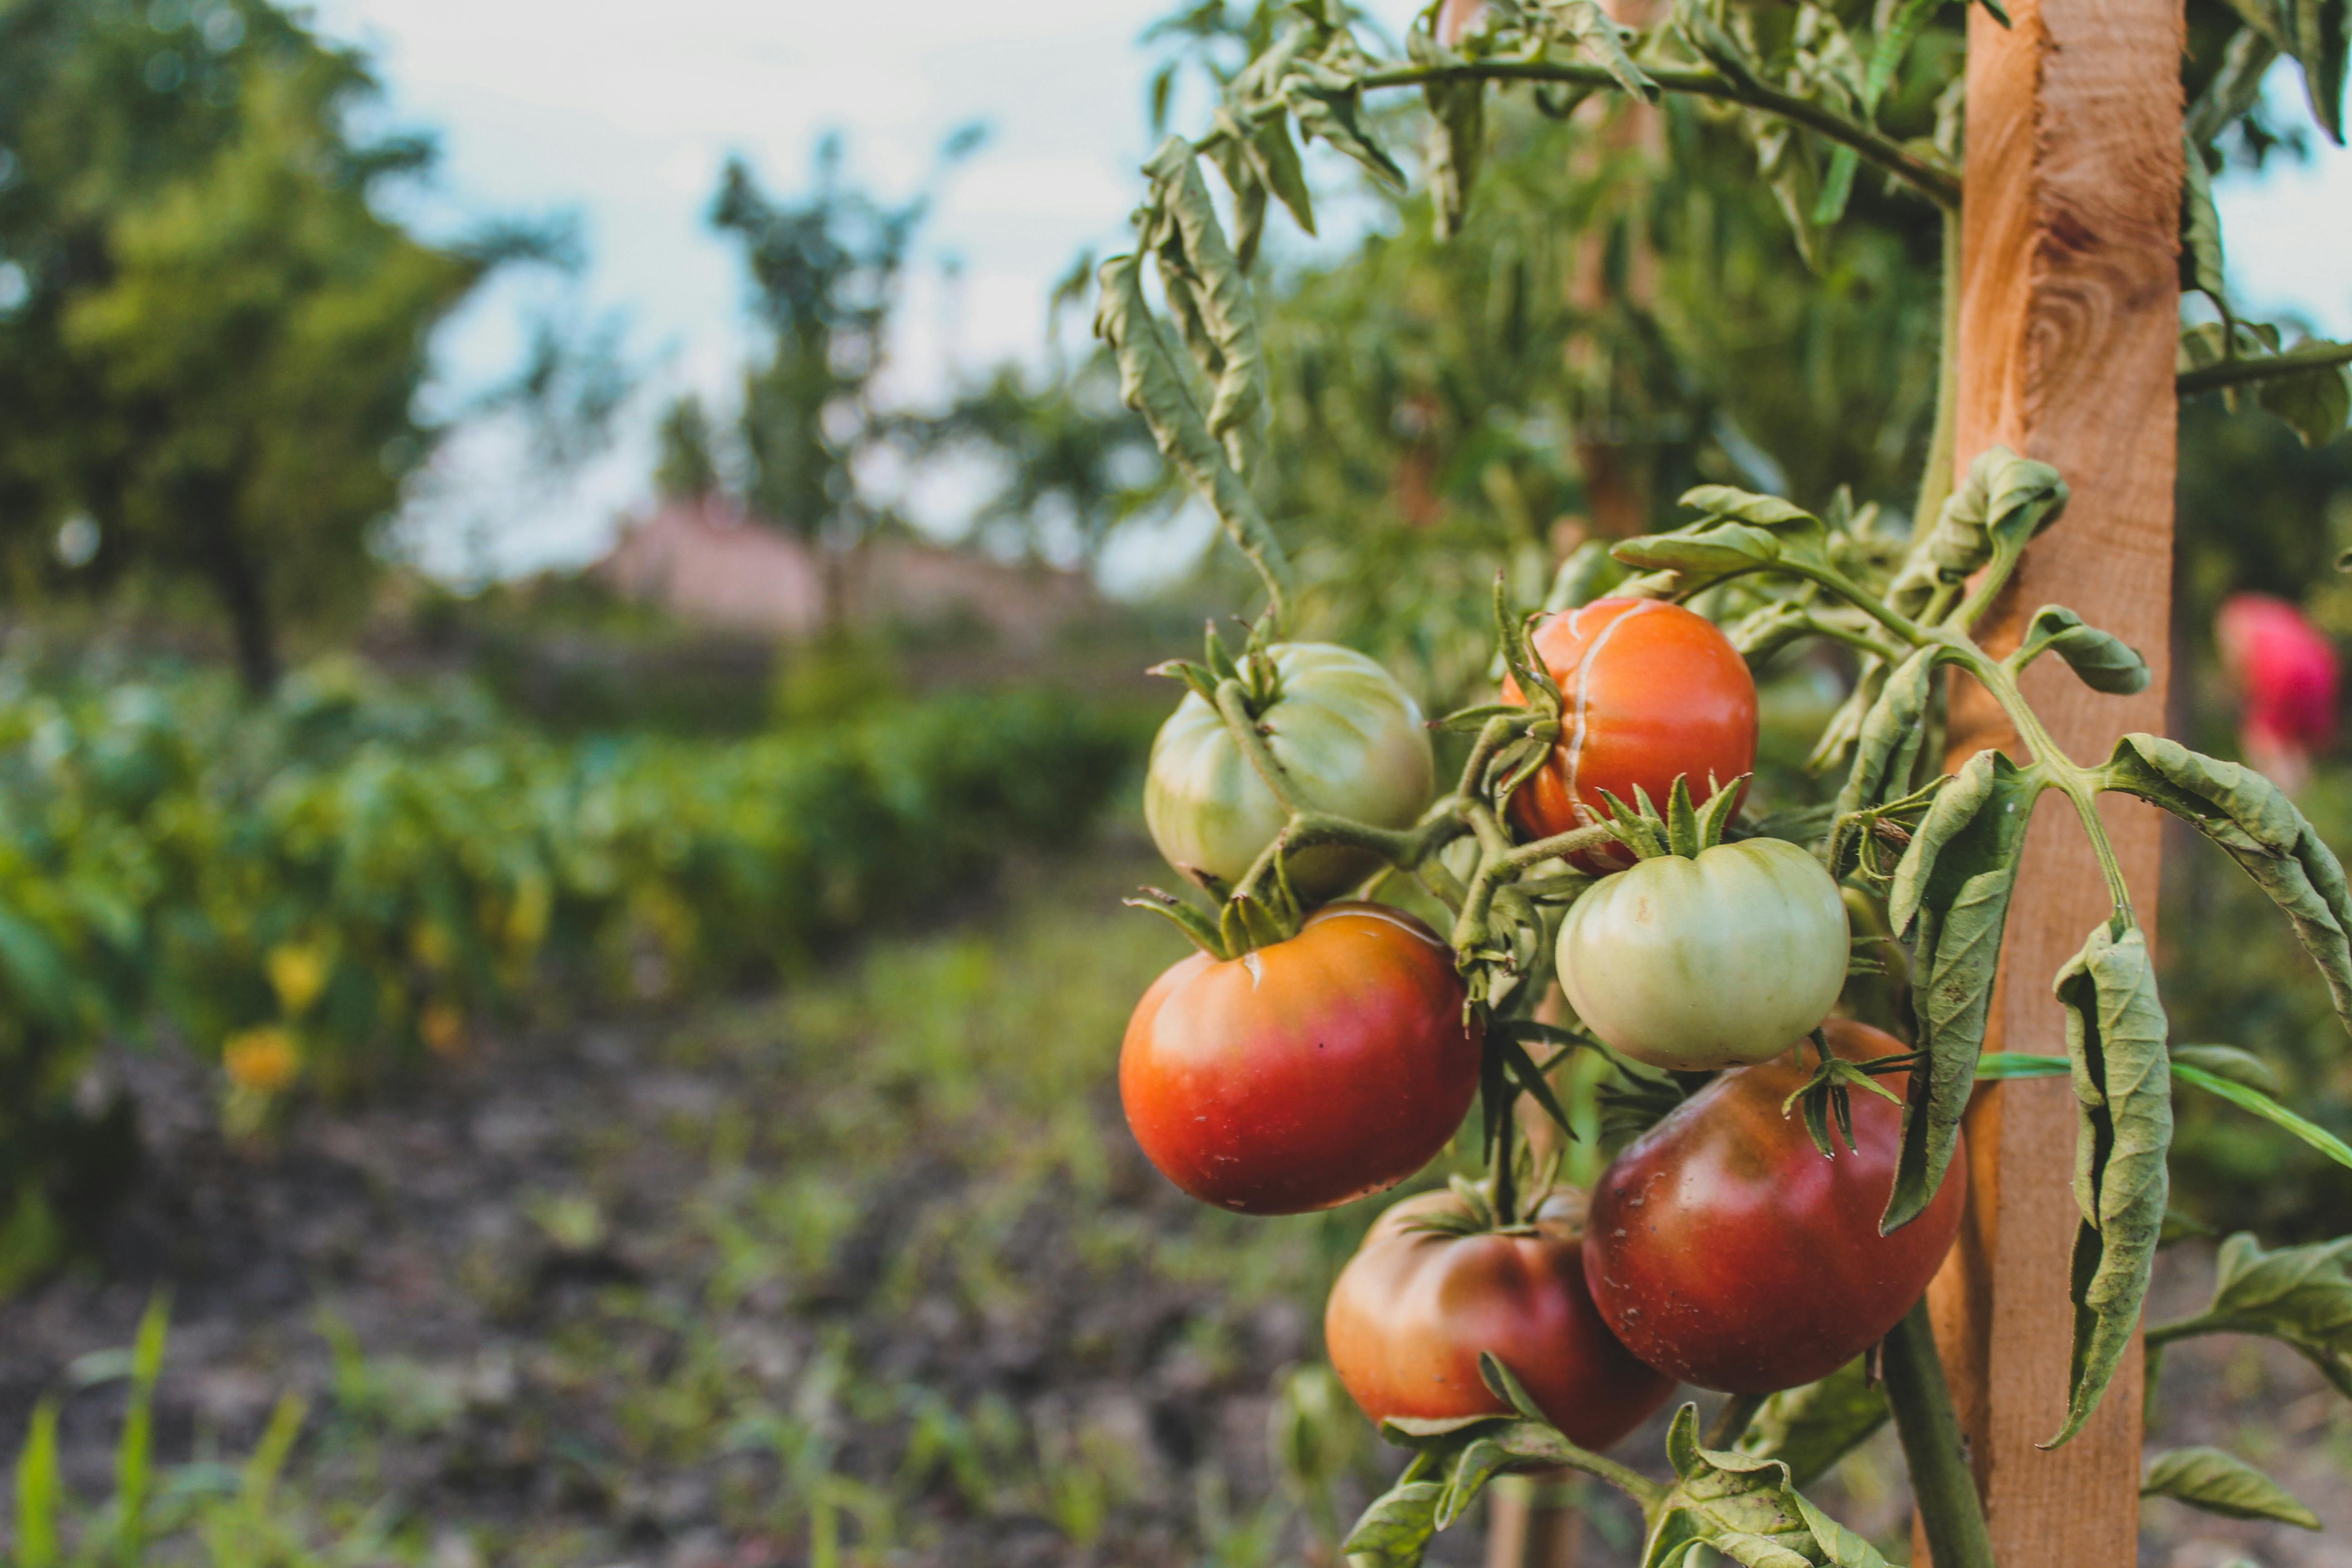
{"x":625,"y":121}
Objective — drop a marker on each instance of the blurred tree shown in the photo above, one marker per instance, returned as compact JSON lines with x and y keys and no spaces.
{"x":825,"y":272}
{"x":215,"y":361}
{"x":685,"y":470}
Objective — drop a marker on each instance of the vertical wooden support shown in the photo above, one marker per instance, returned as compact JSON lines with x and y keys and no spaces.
{"x":2069,"y":314}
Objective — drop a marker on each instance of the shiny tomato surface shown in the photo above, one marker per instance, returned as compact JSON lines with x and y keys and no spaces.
{"x":1722,"y":1247}
{"x":1651,"y":691}
{"x":1413,"y":1309}
{"x":1307,"y":1073}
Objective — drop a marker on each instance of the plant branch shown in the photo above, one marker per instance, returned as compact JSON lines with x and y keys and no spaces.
{"x":1951,"y":1515}
{"x":2241,"y":372}
{"x":1932,"y":180}
{"x":1233,"y":706}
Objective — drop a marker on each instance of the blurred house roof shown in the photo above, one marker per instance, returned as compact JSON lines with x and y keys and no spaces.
{"x":708,"y":562}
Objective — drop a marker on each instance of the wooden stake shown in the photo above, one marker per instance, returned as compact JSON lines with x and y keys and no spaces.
{"x":2069,"y":315}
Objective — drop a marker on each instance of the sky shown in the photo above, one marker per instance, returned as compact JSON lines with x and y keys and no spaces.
{"x":622,"y":124}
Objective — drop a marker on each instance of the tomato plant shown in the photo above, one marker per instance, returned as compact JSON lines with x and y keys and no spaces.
{"x":1726,"y":1249}
{"x":1433,"y":1287}
{"x":1650,"y":693}
{"x":1712,"y":961}
{"x":1347,"y":738}
{"x":1734,"y":1241}
{"x":1306,"y":1072}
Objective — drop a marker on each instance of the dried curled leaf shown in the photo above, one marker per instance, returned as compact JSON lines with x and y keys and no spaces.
{"x":2005,"y":500}
{"x":2123,"y":1090}
{"x":2252,"y":818}
{"x":1153,"y":383}
{"x":1330,"y":104}
{"x":1202,"y":272}
{"x":1954,"y":881}
{"x":1887,"y":751}
{"x":2224,"y":1484}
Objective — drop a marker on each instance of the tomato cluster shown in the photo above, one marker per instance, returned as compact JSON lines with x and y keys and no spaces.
{"x":1305,"y":1060}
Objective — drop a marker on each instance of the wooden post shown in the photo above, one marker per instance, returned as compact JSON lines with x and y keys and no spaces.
{"x":2069,"y":315}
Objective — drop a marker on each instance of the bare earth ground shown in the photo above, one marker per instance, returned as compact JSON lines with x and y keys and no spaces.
{"x":865,"y":1271}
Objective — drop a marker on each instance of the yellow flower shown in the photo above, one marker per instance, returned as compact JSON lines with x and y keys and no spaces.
{"x":298,"y":973}
{"x":444,"y":1029}
{"x":263,"y":1061}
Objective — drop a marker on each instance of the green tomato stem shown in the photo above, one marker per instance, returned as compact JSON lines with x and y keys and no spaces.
{"x":1951,"y":1514}
{"x":1943,"y":443}
{"x":1233,"y":706}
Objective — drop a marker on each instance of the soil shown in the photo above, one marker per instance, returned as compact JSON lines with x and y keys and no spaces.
{"x":755,"y":1285}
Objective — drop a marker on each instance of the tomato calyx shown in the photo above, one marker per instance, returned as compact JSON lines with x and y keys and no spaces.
{"x":1253,"y":672}
{"x":1243,"y":922}
{"x":1685,"y":829}
{"x":1534,"y":722}
{"x":1828,"y":1093}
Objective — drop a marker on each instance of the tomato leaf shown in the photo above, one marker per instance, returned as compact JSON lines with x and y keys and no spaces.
{"x":1394,"y":1531}
{"x":1201,"y":270}
{"x":2252,"y":819}
{"x":2300,"y":1296}
{"x":2201,"y":268}
{"x":2223,"y":1484}
{"x":1708,"y":553}
{"x":2227,"y":1062}
{"x":1810,"y":1428}
{"x":1457,"y":141}
{"x":1591,"y":29}
{"x":2004,"y":500}
{"x":1954,"y":881}
{"x":1330,"y":104}
{"x":2315,"y":404}
{"x":1531,"y":1078}
{"x":2114,"y":1037}
{"x":1151,"y":382}
{"x":1743,"y":1506}
{"x":2104,"y":662}
{"x":1893,"y":732}
{"x":1587,"y":573}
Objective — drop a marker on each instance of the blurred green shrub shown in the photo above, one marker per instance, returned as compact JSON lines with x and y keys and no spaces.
{"x":347,"y":876}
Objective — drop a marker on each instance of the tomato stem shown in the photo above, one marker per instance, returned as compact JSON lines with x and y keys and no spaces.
{"x":1951,"y":1514}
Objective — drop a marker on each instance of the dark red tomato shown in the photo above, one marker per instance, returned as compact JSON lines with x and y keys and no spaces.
{"x":1305,"y":1074}
{"x":1413,"y":1309}
{"x":1725,"y":1249}
{"x":1651,"y":690}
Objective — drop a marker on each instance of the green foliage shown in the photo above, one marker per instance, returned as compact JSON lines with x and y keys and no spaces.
{"x":2223,"y":1484}
{"x":223,"y":338}
{"x":684,"y":469}
{"x":319,"y":886}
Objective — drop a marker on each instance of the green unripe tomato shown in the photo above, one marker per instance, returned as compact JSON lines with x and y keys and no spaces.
{"x":1346,"y":733}
{"x":1716,"y":962}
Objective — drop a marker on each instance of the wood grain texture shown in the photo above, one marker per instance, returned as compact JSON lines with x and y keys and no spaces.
{"x":2069,"y":313}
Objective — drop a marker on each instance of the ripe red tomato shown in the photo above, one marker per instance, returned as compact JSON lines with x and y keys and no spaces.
{"x":1307,"y":1073}
{"x":1723,"y":1248}
{"x":1413,"y":1309}
{"x":1651,"y":690}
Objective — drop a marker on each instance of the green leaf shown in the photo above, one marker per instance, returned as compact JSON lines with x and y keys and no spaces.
{"x":2235,"y":89}
{"x":2316,"y":37}
{"x":1394,"y":1531}
{"x":1743,"y":1506}
{"x":2003,"y":501}
{"x":1955,"y":882}
{"x":2223,"y":1484}
{"x":2315,"y":403}
{"x":1248,"y":188}
{"x":2248,"y":1099}
{"x":1892,"y":734}
{"x":2200,"y":231}
{"x":1715,"y":553}
{"x":1587,"y":573}
{"x":2299,"y":1296}
{"x":1330,"y":104}
{"x":1151,"y":382}
{"x":2123,"y":1090}
{"x":2227,"y":1062}
{"x":2104,"y":660}
{"x":1276,"y":157}
{"x":1997,"y":1067}
{"x":2252,"y":818}
{"x":40,"y":1491}
{"x":1810,"y":1428}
